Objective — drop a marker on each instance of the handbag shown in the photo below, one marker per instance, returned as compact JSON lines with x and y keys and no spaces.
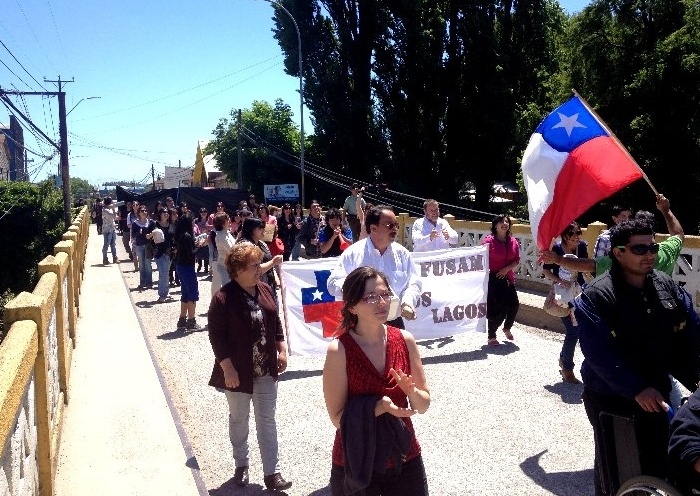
{"x":552,"y":307}
{"x":276,"y":247}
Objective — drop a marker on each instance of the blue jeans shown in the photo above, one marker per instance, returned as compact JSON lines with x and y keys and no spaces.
{"x":296,"y":251}
{"x":264,"y":405}
{"x":163,"y":265}
{"x":110,"y":239}
{"x":145,"y":269}
{"x":569,"y":346}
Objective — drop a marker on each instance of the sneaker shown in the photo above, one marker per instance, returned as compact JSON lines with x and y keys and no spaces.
{"x":162,"y":300}
{"x":493,"y":342}
{"x":105,"y":261}
{"x":181,"y":323}
{"x":192,"y":325}
{"x":240,"y":476}
{"x":276,"y":482}
{"x":115,"y":259}
{"x":509,"y":335}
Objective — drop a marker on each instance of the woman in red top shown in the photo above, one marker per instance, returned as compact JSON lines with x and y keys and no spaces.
{"x":370,"y":359}
{"x":502,"y":299}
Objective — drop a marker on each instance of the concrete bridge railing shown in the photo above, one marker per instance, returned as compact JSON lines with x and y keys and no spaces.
{"x":35,"y":359}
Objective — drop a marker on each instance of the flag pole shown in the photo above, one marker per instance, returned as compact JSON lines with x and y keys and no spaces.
{"x":615,"y":139}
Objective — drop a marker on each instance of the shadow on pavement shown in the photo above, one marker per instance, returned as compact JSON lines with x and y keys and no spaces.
{"x":505,"y":348}
{"x":433,"y":344}
{"x":300,"y":374}
{"x":577,"y":483}
{"x":228,"y":488}
{"x":465,"y":356}
{"x":192,"y":463}
{"x":180,"y":333}
{"x":570,"y":393}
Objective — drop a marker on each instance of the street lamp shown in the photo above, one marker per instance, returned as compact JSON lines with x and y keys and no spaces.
{"x":86,"y":98}
{"x":301,"y":94}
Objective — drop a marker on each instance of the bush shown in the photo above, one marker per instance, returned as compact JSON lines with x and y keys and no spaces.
{"x":31,"y":223}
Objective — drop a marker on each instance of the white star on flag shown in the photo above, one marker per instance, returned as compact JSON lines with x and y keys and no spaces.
{"x":317,"y":295}
{"x":568,"y":123}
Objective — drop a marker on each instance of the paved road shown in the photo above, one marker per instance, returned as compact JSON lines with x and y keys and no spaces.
{"x":501,"y":422}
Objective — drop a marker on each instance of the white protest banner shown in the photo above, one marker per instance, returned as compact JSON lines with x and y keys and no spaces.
{"x":453,"y":298}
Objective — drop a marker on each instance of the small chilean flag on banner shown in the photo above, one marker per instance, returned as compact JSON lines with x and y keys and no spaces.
{"x":571,"y":163}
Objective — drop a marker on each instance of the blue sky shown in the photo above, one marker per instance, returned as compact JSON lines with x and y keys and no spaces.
{"x":165,"y":74}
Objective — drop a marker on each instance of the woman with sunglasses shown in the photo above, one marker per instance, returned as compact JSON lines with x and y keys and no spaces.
{"x":571,"y":244}
{"x":140,"y":227}
{"x":373,"y":380}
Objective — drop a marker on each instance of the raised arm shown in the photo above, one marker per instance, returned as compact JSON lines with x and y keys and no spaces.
{"x":674,"y":227}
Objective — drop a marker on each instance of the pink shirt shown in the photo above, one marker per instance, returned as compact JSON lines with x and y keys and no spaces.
{"x":502,"y":253}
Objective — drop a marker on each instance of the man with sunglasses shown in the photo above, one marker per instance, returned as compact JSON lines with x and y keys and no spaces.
{"x":636,"y":328}
{"x":379,"y":250}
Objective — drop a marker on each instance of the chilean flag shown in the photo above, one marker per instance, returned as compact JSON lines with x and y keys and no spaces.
{"x":571,"y":163}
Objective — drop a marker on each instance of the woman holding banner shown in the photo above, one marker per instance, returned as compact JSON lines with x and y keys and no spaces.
{"x":502,"y":299}
{"x":373,"y":380}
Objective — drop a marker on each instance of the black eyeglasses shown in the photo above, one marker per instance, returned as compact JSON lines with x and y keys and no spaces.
{"x":390,"y":225}
{"x":641,"y":249}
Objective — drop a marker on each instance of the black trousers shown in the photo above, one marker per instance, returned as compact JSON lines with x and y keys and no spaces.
{"x":652,"y":434}
{"x":501,"y":304}
{"x":409,"y":481}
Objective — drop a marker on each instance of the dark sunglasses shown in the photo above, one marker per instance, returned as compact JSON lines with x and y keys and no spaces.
{"x":143,"y":210}
{"x":641,"y":249}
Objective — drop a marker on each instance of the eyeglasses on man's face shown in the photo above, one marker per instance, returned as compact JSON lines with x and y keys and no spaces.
{"x":641,"y":249}
{"x":374,"y":299}
{"x":390,"y":225}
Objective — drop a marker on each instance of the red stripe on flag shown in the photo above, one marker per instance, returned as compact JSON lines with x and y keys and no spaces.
{"x":328,"y":314}
{"x":591,"y":173}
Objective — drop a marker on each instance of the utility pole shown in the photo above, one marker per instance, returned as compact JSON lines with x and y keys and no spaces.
{"x":240,"y":155}
{"x":63,"y":135}
{"x":63,"y":131}
{"x":153,"y":177}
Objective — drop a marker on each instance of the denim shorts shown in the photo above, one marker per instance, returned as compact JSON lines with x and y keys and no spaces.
{"x":188,"y":282}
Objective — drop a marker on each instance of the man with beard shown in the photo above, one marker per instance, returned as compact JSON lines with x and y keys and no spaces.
{"x":636,"y":327}
{"x":379,"y":250}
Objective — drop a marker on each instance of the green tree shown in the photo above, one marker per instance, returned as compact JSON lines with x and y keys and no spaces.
{"x":638,"y":65}
{"x":80,"y":188}
{"x":269,"y":145}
